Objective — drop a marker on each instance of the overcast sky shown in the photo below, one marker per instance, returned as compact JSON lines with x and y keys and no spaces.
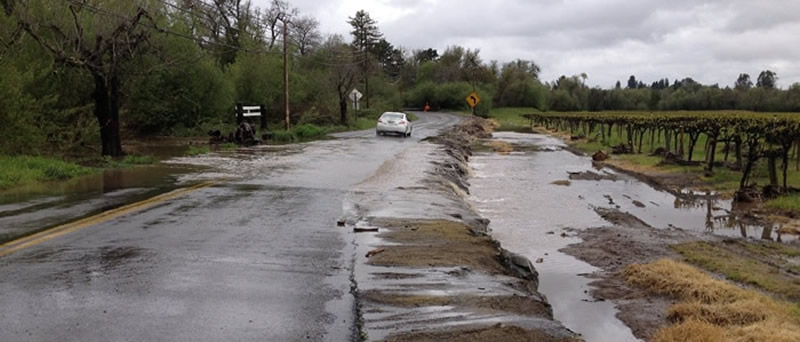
{"x":711,"y":41}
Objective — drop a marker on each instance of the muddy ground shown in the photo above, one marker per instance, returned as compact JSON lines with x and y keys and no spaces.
{"x":628,"y":240}
{"x":612,"y":248}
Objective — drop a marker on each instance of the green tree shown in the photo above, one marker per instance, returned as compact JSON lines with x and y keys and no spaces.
{"x":519,"y":86}
{"x":102,"y":48}
{"x":767,"y":79}
{"x":743,"y":82}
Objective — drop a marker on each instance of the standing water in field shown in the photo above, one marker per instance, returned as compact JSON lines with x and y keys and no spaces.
{"x":528,"y":215}
{"x":534,"y":208}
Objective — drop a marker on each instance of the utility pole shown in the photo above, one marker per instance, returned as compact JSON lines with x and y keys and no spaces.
{"x":287,"y":122}
{"x":366,"y":64}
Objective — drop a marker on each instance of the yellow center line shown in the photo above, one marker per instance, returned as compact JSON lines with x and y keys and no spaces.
{"x":52,"y":233}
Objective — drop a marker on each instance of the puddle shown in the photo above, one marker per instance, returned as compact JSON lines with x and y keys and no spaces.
{"x":527,"y":216}
{"x":30,"y":209}
{"x":657,"y":208}
{"x":533,"y":216}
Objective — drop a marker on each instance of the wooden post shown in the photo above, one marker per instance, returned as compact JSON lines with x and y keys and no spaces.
{"x":239,"y":114}
{"x":263,"y":110}
{"x":287,"y":122}
{"x":773,"y":168}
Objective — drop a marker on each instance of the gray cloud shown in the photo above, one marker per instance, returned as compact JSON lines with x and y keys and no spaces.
{"x":712,"y":41}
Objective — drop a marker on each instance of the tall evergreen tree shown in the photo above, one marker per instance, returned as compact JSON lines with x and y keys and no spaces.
{"x":365,"y":35}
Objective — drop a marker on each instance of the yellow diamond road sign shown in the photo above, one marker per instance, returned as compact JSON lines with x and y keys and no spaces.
{"x":473,"y":99}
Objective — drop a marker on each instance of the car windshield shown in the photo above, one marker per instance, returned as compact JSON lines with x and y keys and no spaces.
{"x":392,"y":116}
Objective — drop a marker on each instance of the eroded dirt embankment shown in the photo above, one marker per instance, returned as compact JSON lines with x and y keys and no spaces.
{"x":428,"y":271}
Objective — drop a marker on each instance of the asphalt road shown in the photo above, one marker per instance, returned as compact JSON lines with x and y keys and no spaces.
{"x":255,"y":258}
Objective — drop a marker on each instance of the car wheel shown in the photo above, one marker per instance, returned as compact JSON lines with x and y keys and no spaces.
{"x":377,"y":132}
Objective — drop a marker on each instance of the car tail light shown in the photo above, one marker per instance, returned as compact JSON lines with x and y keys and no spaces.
{"x":380,"y":121}
{"x":401,"y":122}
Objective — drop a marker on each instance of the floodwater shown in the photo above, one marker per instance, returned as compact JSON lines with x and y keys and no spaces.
{"x":27,"y":210}
{"x":534,"y":217}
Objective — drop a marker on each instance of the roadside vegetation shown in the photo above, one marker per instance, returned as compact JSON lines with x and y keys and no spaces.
{"x":183,"y":76}
{"x":712,"y":310}
{"x":25,"y":170}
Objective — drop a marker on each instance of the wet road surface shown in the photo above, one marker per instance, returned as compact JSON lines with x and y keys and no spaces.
{"x":255,"y":257}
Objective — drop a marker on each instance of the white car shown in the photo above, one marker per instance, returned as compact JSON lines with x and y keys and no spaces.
{"x":393,"y":122}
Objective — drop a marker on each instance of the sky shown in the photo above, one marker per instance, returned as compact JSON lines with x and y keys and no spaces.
{"x":712,"y":41}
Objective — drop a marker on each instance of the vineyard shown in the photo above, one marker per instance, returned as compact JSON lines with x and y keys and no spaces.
{"x":735,"y":140}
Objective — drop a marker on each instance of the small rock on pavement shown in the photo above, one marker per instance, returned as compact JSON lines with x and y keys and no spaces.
{"x":539,"y":261}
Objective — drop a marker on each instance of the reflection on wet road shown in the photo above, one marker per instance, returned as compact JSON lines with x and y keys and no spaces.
{"x":258,"y":257}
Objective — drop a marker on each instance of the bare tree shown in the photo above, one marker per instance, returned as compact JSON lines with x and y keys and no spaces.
{"x":278,"y":12}
{"x":96,"y":39}
{"x":306,"y":34}
{"x":342,"y":76}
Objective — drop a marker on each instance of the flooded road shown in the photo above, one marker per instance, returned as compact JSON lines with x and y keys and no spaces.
{"x":258,"y":256}
{"x":535,"y":208}
{"x":27,"y":210}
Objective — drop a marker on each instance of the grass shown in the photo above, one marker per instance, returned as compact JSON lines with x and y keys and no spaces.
{"x":511,"y":118}
{"x":711,"y":309}
{"x":203,"y":149}
{"x":128,"y":160}
{"x":757,"y":264}
{"x":18,"y":171}
{"x":789,"y":202}
{"x":300,"y":133}
{"x":197,"y":150}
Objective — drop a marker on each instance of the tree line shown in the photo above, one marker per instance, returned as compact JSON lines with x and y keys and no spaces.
{"x":79,"y":72}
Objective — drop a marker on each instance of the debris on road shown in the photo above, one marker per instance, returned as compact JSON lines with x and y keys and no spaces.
{"x":375,"y":252}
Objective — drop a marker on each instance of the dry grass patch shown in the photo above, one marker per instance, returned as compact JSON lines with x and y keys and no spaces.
{"x":500,"y":146}
{"x":712,"y":309}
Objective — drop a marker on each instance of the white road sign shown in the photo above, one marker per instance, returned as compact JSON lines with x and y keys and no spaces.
{"x":355,"y":95}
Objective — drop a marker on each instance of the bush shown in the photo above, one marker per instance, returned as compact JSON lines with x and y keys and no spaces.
{"x":300,"y":133}
{"x":308,"y":131}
